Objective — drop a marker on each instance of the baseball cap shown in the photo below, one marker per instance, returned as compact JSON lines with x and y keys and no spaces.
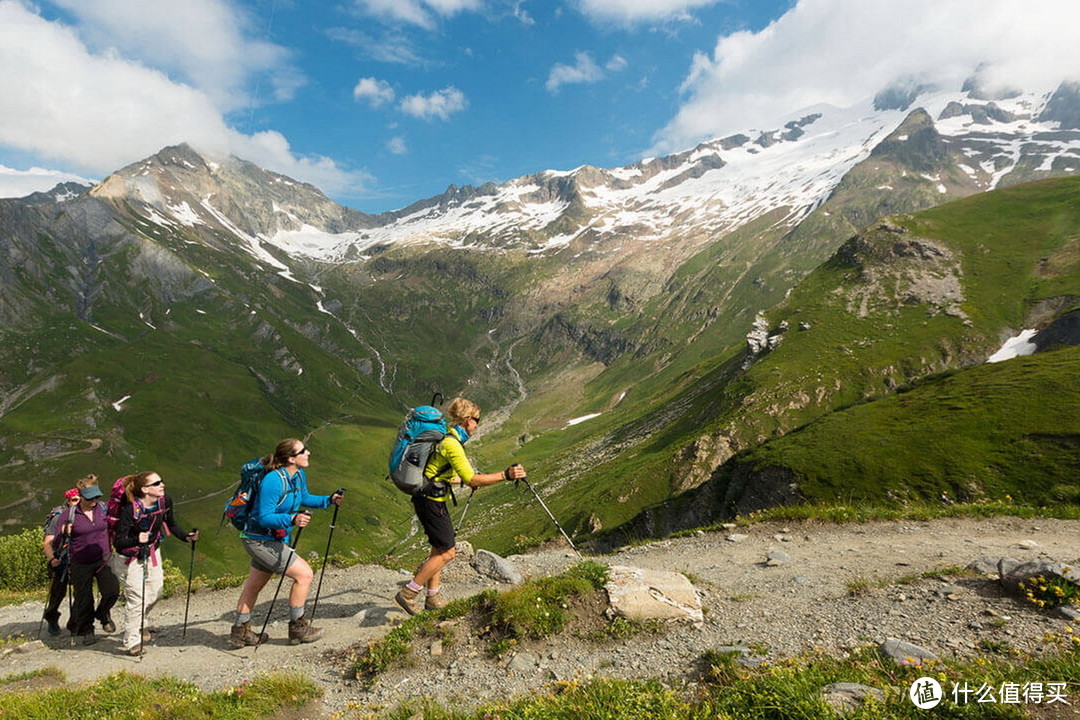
{"x":89,"y":493}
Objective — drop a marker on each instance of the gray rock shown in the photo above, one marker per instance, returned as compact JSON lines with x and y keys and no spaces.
{"x":1041,"y":567}
{"x":904,"y":653}
{"x":846,"y":697}
{"x":522,"y":662}
{"x":1069,"y":612}
{"x":1006,"y":566}
{"x":641,"y":594}
{"x":984,"y":566}
{"x":495,"y":567}
{"x":465,"y":550}
{"x":777,"y":557}
{"x":736,"y":537}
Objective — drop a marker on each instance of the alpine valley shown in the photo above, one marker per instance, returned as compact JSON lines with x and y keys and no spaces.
{"x":786,"y":315}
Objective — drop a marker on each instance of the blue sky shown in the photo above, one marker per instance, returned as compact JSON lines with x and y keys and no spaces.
{"x":384,"y":102}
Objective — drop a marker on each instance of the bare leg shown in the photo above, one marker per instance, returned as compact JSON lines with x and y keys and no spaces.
{"x":255,"y":582}
{"x":301,"y":575}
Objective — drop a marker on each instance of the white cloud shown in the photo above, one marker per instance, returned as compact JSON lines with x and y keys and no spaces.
{"x":416,"y":12}
{"x":96,"y":112}
{"x":439,"y":104}
{"x":633,"y":11}
{"x":584,"y":70}
{"x":845,"y":51}
{"x":616,"y":63}
{"x":19,"y":183}
{"x":376,"y":92}
{"x":208,"y":44}
{"x":397,"y":145}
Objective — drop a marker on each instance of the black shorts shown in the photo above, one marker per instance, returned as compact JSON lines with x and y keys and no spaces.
{"x":434,"y":516}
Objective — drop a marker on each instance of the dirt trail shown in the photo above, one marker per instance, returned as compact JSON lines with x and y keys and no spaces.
{"x":784,"y":609}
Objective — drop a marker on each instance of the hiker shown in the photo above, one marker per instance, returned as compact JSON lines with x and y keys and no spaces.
{"x":87,"y":527}
{"x":447,"y":465}
{"x":144,"y":519}
{"x":281,"y":494}
{"x":55,"y":547}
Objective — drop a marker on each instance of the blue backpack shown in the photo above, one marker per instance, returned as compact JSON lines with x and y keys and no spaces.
{"x":423,"y":429}
{"x":238,"y":507}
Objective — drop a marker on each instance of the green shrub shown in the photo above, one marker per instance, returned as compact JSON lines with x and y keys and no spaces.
{"x":131,"y":696}
{"x":22,"y":565}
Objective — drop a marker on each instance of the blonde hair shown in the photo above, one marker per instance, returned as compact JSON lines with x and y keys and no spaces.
{"x":86,"y":481}
{"x":283,"y":453}
{"x":461,"y":410}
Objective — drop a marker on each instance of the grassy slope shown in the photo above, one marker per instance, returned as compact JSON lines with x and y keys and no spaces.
{"x":1002,"y":429}
{"x":984,"y":431}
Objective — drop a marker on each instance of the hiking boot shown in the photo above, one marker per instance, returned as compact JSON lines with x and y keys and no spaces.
{"x":146,"y":636}
{"x":406,"y":598}
{"x":242,"y":636}
{"x":108,"y":626}
{"x":135,"y":651}
{"x":54,"y":627}
{"x":434,"y":602}
{"x":89,"y":638}
{"x":302,"y":631}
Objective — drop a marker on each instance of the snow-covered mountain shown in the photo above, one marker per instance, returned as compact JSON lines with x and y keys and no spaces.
{"x":722,"y":184}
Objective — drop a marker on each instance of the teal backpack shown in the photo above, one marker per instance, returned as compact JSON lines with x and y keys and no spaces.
{"x":424,"y":428}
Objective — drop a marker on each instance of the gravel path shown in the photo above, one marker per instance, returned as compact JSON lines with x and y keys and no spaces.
{"x":782,"y":610}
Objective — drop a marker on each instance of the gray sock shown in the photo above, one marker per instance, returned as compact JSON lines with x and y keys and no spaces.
{"x":295,"y":613}
{"x":242,"y":618}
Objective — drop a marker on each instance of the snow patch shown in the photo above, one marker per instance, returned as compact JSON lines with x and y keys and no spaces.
{"x":1015,"y":347}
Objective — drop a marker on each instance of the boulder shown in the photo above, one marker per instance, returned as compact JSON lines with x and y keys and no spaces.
{"x":904,"y":653}
{"x":639,"y":594}
{"x":495,"y":567}
{"x":846,"y":697}
{"x":1013,"y":575}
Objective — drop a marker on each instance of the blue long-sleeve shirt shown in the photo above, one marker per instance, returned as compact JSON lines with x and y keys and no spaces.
{"x":280,"y":496}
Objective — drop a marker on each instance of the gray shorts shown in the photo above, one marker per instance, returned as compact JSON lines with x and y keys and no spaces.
{"x":272,"y":556}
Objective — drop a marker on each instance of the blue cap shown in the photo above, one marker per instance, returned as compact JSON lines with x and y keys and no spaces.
{"x":89,"y":493}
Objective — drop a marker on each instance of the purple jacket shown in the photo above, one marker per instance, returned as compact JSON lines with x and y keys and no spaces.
{"x":89,"y":540}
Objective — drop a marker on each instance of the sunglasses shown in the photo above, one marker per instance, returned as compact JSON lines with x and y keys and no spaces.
{"x":474,"y":419}
{"x":154,"y":484}
{"x":301,"y":451}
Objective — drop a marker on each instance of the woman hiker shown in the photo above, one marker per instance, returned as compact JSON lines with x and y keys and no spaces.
{"x":447,"y":465}
{"x":144,"y":519}
{"x":86,"y":524}
{"x":281,"y":494}
{"x":55,"y":547}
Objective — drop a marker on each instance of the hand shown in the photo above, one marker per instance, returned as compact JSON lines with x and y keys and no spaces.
{"x":144,"y":537}
{"x":514,"y":472}
{"x":193,"y":536}
{"x":54,"y":562}
{"x":337,"y":497}
{"x":301,"y":519}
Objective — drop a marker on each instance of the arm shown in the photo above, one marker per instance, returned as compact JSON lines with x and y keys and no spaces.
{"x":178,"y":532}
{"x":307,"y":499}
{"x":455,"y":453}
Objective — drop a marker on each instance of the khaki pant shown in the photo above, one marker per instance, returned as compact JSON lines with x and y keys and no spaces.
{"x":133,"y":595}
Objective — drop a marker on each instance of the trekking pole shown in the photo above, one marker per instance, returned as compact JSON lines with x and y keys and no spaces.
{"x":543,"y":505}
{"x":461,"y":520}
{"x":190,"y":572}
{"x":144,"y":556}
{"x":266,"y":622}
{"x":326,"y":555}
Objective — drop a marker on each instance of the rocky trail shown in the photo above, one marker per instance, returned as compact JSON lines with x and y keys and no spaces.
{"x":802,"y":599}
